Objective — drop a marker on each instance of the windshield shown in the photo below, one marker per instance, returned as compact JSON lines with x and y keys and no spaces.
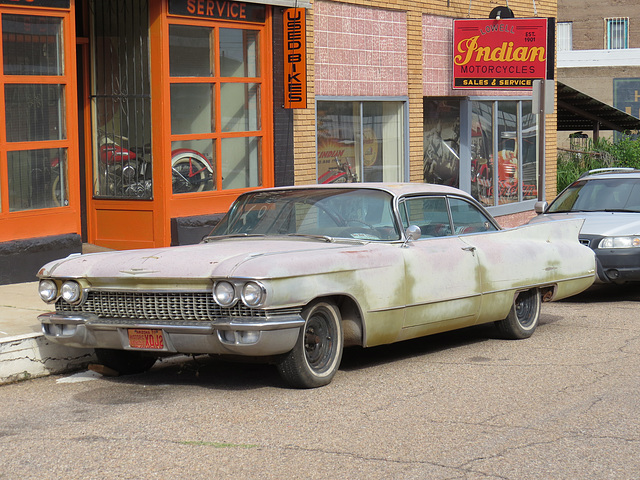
{"x":606,"y":194}
{"x":337,"y":213}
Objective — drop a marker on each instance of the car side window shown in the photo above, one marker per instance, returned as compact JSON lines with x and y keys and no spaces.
{"x":467,"y":218}
{"x":430,"y":214}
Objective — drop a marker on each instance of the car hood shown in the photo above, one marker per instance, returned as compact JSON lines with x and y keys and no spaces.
{"x":256,"y":258}
{"x":599,"y":223}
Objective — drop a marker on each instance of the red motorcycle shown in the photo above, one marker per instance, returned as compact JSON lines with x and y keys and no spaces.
{"x":340,"y":174}
{"x":128,"y":172}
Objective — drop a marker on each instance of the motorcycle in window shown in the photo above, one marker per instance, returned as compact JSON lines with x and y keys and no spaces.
{"x":128,"y":171}
{"x":340,"y":174}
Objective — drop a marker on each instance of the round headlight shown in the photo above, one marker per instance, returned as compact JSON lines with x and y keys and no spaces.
{"x":71,"y":291}
{"x":252,"y":294}
{"x":48,"y":290}
{"x":224,"y":293}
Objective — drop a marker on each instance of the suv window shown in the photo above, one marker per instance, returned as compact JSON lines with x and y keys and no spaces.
{"x":599,"y":194}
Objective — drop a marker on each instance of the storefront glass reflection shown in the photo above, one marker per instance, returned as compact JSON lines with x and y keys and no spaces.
{"x":121,"y":101}
{"x":37,"y":179}
{"x":442,"y":142}
{"x":360,"y":141}
{"x":216,"y":117}
{"x":32,"y":46}
{"x":503,"y":148}
{"x":482,"y":166}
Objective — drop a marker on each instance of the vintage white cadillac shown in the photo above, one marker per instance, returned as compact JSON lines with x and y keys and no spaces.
{"x":294,"y":275}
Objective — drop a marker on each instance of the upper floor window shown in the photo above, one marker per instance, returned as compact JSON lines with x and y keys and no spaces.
{"x":616,"y":32}
{"x":565,"y":36}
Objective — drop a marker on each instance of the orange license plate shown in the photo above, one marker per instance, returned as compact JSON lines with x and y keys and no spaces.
{"x":146,"y":338}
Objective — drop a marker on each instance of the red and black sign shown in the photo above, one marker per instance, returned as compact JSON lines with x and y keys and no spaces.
{"x":219,"y":10}
{"x":295,"y":58}
{"x":38,"y":3}
{"x":502,"y":54}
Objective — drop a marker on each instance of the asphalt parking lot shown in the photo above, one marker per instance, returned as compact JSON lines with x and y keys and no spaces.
{"x":465,"y":405}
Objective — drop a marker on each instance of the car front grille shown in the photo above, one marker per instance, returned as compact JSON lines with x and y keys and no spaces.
{"x":586,"y":242}
{"x":168,"y":307}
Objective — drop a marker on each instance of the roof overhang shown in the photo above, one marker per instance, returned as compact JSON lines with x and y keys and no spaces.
{"x":578,"y":111}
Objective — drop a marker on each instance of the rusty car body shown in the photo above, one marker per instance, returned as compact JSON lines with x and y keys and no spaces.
{"x":295,"y":274}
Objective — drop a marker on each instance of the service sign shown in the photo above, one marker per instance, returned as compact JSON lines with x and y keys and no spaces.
{"x":502,"y":54}
{"x":219,"y":10}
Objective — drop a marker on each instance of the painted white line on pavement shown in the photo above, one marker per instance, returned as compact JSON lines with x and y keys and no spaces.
{"x":80,"y":377}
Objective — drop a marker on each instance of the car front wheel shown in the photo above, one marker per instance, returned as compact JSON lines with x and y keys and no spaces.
{"x":523,"y":317}
{"x":125,"y":362}
{"x":315,"y":359}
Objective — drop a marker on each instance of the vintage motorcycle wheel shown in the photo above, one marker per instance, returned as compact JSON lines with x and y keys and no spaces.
{"x":191,"y":172}
{"x":316,"y":357}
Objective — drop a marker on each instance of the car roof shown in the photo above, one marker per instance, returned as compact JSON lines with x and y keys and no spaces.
{"x":617,"y":173}
{"x":396,"y":189}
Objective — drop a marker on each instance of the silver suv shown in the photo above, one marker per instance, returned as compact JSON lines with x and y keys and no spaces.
{"x":609,"y":201}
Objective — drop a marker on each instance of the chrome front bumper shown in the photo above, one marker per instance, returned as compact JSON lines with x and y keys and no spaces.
{"x":226,"y":336}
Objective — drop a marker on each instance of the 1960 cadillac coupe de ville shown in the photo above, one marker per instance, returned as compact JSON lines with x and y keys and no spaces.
{"x":296,"y":274}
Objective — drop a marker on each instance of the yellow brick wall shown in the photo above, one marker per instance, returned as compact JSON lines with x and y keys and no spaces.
{"x":304,"y":119}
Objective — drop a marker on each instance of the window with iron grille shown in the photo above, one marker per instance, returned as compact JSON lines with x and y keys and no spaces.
{"x":565,"y":36}
{"x":121,"y":99}
{"x":616,"y":32}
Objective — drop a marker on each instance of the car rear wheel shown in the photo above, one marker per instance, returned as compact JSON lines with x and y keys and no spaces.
{"x":523,"y":317}
{"x":315,"y":359}
{"x":125,"y":362}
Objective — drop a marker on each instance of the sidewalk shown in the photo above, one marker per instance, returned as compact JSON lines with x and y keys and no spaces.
{"x":24,"y":352}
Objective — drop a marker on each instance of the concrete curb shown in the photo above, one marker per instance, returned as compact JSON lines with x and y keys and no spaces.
{"x":31,"y":355}
{"x":24,"y":351}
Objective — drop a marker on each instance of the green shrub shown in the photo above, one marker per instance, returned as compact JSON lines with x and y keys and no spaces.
{"x":602,"y":153}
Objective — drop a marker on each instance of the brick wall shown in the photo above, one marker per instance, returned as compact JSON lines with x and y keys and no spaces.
{"x":348,"y":43}
{"x":588,"y":20}
{"x":360,"y":51}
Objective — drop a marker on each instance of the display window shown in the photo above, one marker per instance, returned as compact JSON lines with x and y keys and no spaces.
{"x":361,"y":141}
{"x":34,"y":105}
{"x":121,"y":100}
{"x":442,"y":142}
{"x":37,"y":104}
{"x":217,"y":85}
{"x":501,"y":158}
{"x":504,"y":152}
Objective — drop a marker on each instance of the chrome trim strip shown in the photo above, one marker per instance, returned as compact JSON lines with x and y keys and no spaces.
{"x":279,"y":322}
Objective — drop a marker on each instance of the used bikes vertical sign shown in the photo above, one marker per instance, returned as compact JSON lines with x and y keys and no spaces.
{"x":502,"y":54}
{"x":295,"y":58}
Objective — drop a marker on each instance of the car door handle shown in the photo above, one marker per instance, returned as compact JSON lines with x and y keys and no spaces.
{"x":470,"y":249}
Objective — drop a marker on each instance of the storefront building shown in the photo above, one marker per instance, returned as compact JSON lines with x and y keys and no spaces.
{"x":135,"y":123}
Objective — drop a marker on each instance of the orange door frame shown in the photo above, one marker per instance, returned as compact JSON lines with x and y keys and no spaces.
{"x":47,"y":221}
{"x":123,"y":224}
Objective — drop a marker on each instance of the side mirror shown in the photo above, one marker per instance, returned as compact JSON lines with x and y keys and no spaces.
{"x":540,"y":207}
{"x":412,"y":233}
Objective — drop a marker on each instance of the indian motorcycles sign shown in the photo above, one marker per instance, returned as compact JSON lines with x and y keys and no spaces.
{"x":502,"y":54}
